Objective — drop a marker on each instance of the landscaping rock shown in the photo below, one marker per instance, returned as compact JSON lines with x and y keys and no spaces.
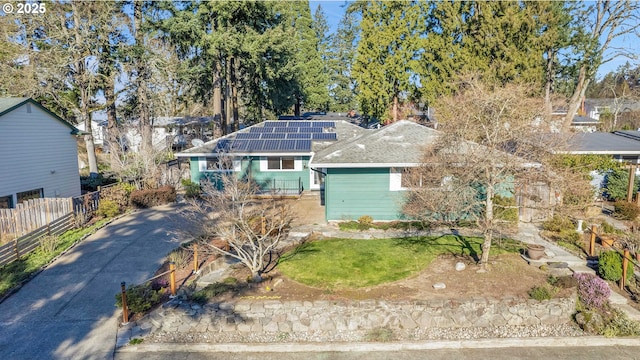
{"x":439,"y":286}
{"x":549,"y":254}
{"x":460,"y":266}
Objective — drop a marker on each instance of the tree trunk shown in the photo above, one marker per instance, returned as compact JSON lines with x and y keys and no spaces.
{"x":217,"y":98}
{"x":548,"y":88}
{"x":296,"y":109}
{"x":234,"y":95}
{"x":576,"y":99}
{"x":488,"y":227}
{"x":111,"y":139}
{"x":141,"y":92}
{"x":395,"y":108}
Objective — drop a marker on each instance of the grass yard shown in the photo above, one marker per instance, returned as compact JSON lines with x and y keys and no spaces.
{"x":14,"y":273}
{"x":349,"y":263}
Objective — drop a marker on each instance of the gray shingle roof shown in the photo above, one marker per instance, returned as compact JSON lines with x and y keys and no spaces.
{"x":9,"y":103}
{"x":398,"y":144}
{"x":344,"y":132}
{"x":605,"y":143}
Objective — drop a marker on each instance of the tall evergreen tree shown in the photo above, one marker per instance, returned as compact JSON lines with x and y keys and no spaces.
{"x":312,"y":77}
{"x":386,"y":56}
{"x":341,"y":57}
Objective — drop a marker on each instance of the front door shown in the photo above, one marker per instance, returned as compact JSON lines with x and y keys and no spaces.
{"x":317,"y":178}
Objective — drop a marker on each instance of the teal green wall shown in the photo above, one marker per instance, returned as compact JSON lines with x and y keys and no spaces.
{"x":251,"y":165}
{"x":351,"y":193}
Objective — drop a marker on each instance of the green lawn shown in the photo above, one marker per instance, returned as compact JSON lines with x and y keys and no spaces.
{"x":18,"y":271}
{"x":350,"y":263}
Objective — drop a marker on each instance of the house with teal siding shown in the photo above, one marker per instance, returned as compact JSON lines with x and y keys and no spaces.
{"x":275,"y":154}
{"x":364,"y":175}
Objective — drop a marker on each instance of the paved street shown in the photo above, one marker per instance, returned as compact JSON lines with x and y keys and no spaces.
{"x":67,"y":311}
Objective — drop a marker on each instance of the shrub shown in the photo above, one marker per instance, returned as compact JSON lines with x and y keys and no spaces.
{"x":192,"y":190}
{"x":557,"y":224}
{"x":212,"y":290}
{"x":592,"y":291}
{"x":543,"y":292}
{"x":381,"y":334}
{"x":610,"y":266}
{"x":505,"y":208}
{"x":119,"y":194}
{"x":153,"y":197}
{"x":607,"y":228}
{"x":48,"y":243}
{"x":626,"y":210}
{"x":140,"y":298}
{"x":180,"y":256}
{"x":620,"y":325}
{"x":108,"y":208}
{"x":365,"y":221}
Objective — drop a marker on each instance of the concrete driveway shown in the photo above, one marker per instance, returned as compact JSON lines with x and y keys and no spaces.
{"x":67,"y":311}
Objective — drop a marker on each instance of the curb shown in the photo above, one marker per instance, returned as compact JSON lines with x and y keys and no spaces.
{"x":580,"y":341}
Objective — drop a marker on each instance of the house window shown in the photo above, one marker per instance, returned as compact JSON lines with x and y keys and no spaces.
{"x":408,"y":178}
{"x":281,"y":163}
{"x":28,"y":195}
{"x":219,"y":164}
{"x":6,"y":202}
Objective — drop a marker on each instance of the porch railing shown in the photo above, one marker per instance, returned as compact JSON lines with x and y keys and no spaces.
{"x":283,"y":187}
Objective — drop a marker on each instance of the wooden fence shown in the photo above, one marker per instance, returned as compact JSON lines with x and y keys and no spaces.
{"x":22,"y":228}
{"x":13,"y":250}
{"x":31,"y":215}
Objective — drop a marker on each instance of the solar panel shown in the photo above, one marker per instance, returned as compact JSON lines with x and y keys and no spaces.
{"x":303,"y":123}
{"x":255,"y":145}
{"x":271,"y":145}
{"x":298,"y":136}
{"x":240,"y":145}
{"x":314,"y":130}
{"x":248,"y":136}
{"x":287,"y":145}
{"x":324,"y":136}
{"x":275,"y":135}
{"x":222,"y":146}
{"x":260,"y":130}
{"x":284,"y":129}
{"x":303,"y":145}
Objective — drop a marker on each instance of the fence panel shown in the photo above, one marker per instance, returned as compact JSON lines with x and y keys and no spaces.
{"x":30,"y":215}
{"x":11,"y":251}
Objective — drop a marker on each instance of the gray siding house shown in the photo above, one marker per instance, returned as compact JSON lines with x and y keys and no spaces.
{"x":38,"y":153}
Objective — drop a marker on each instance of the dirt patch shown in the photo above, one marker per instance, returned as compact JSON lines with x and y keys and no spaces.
{"x":508,"y":275}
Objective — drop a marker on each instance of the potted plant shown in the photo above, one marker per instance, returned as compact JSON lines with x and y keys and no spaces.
{"x":535,"y":251}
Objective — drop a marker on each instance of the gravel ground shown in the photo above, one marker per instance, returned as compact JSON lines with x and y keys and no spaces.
{"x":564,"y":330}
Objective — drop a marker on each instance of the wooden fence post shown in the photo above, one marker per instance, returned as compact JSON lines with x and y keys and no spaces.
{"x":172,"y":278}
{"x":125,"y":309}
{"x":195,"y":258}
{"x":625,"y":264}
{"x":592,"y":241}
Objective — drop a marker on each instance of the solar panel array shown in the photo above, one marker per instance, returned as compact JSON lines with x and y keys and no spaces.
{"x":284,"y":136}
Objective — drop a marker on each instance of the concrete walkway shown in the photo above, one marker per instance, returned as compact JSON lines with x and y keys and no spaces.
{"x":67,"y":311}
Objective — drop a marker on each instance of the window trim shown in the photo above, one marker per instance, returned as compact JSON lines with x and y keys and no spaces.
{"x":202,"y":165}
{"x":9,"y":201}
{"x":40,"y":195}
{"x":264,"y":163}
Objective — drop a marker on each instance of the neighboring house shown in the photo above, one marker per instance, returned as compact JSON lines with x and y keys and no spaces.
{"x":38,"y":153}
{"x":593,"y":108}
{"x":621,"y":145}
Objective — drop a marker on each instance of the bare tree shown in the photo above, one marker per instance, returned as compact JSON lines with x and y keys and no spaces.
{"x":488,"y":141}
{"x":605,"y":21}
{"x":252,"y":227}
